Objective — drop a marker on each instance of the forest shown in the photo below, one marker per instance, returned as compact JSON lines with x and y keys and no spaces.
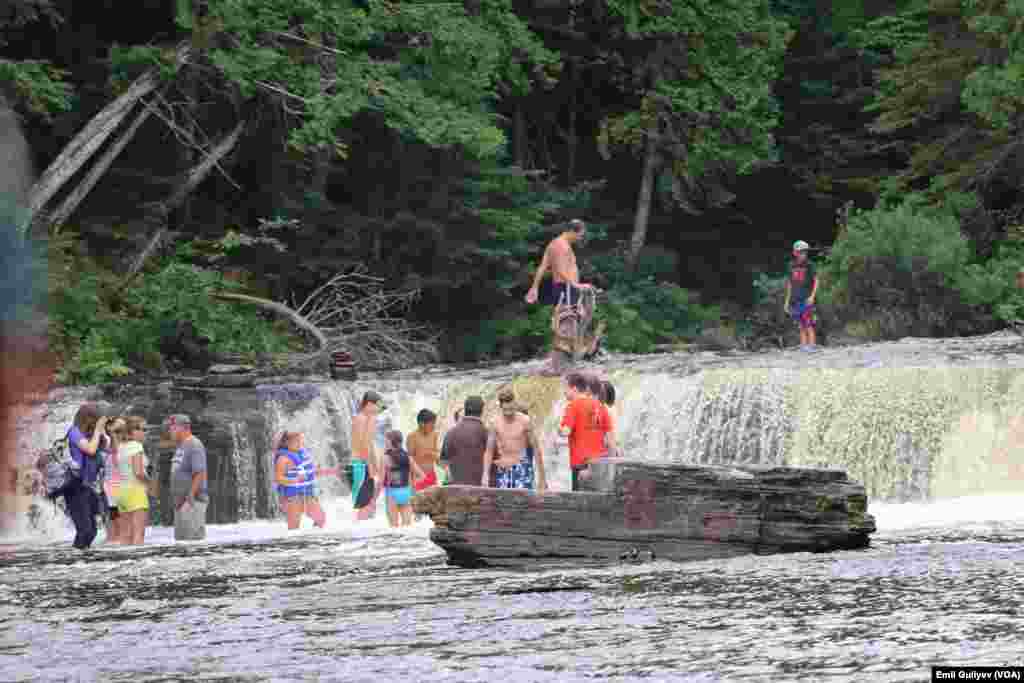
{"x":393,"y":170}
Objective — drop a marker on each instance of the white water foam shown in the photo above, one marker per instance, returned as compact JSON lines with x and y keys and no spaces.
{"x":950,"y":512}
{"x":339,"y":523}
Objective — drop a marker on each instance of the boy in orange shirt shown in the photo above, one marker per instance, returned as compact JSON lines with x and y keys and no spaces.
{"x":585,"y":423}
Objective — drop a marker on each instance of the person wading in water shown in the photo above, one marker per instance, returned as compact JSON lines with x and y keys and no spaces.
{"x":566,"y":293}
{"x":520,"y":456}
{"x":364,"y":466}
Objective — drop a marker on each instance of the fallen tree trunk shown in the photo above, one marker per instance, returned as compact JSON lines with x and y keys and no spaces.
{"x":158,"y":216}
{"x":638,"y":510}
{"x":75,"y":197}
{"x":90,"y":138}
{"x":293,"y":315}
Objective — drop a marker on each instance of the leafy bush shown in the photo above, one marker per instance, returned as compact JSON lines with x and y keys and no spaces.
{"x":900,"y":270}
{"x":102,"y":330}
{"x":908,"y":237}
{"x":643,"y":309}
{"x":98,"y":360}
{"x":993,"y":285}
{"x":527,"y":334}
{"x":182,"y":292}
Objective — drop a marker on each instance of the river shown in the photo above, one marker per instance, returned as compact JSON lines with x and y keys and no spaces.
{"x":943,"y":583}
{"x":934,"y":428}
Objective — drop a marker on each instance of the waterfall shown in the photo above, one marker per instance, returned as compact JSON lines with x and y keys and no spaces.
{"x":326,"y":422}
{"x":907,"y":433}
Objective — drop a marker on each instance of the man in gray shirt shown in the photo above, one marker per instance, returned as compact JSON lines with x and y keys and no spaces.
{"x":188,"y":481}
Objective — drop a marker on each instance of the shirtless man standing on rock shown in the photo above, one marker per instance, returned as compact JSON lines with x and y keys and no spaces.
{"x":520,"y":453}
{"x":364,"y":464}
{"x":561,"y":259}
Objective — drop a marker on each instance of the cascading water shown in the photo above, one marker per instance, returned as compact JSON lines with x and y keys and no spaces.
{"x":908,"y":433}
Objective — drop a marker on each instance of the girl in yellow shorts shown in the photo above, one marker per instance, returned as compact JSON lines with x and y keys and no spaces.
{"x":133,"y":497}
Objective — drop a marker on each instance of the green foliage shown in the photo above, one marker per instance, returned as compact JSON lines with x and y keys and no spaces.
{"x":98,"y":360}
{"x":430,"y":69}
{"x":643,"y":309}
{"x":39,"y":86}
{"x":954,"y":91}
{"x":182,"y":292}
{"x":992,"y":284}
{"x":904,"y":234}
{"x":127,"y":61}
{"x":710,"y":100}
{"x":103,"y":332}
{"x":907,"y":269}
{"x":525,"y":334}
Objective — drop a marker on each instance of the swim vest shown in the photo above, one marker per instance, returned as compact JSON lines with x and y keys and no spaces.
{"x":398,"y":469}
{"x":301,"y":463}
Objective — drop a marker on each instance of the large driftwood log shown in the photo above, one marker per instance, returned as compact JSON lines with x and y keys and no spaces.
{"x":81,"y":148}
{"x":630,"y":509}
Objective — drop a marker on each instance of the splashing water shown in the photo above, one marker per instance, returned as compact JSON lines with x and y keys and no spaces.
{"x":909,"y":434}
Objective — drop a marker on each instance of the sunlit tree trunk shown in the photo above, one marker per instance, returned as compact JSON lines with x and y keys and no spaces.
{"x":643,"y":204}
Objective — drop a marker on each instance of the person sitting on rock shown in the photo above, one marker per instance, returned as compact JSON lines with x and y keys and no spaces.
{"x":585,"y":424}
{"x":801,"y":288}
{"x":519,"y":451}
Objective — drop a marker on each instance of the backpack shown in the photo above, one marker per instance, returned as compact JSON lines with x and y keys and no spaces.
{"x":58,"y":468}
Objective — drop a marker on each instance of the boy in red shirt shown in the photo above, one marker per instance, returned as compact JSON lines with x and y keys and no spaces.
{"x":585,"y":423}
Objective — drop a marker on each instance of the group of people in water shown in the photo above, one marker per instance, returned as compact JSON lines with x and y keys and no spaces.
{"x":114,"y":481}
{"x":505,"y":453}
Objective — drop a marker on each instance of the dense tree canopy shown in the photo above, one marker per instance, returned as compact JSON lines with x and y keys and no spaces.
{"x":441,"y":144}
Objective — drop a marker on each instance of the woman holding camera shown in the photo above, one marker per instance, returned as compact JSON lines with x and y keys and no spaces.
{"x":85,"y":439}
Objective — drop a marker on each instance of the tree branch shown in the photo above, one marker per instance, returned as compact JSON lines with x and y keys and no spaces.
{"x":192,"y":180}
{"x":91,"y":137}
{"x":293,"y":315}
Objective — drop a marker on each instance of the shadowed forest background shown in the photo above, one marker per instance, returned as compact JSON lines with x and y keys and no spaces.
{"x":429,"y":150}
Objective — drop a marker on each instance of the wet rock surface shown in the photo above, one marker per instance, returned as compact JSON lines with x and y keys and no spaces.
{"x":1000,"y":349}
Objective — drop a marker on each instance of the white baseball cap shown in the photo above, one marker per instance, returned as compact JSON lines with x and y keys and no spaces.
{"x":800,"y":245}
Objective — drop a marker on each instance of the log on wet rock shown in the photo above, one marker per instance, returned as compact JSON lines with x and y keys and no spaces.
{"x":629,"y":509}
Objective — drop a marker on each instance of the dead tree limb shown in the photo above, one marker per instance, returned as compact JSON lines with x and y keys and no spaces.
{"x":358,"y":315}
{"x":57,"y":218}
{"x":282,"y":310}
{"x":160,"y":212}
{"x":90,"y":138}
{"x":352,"y":312}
